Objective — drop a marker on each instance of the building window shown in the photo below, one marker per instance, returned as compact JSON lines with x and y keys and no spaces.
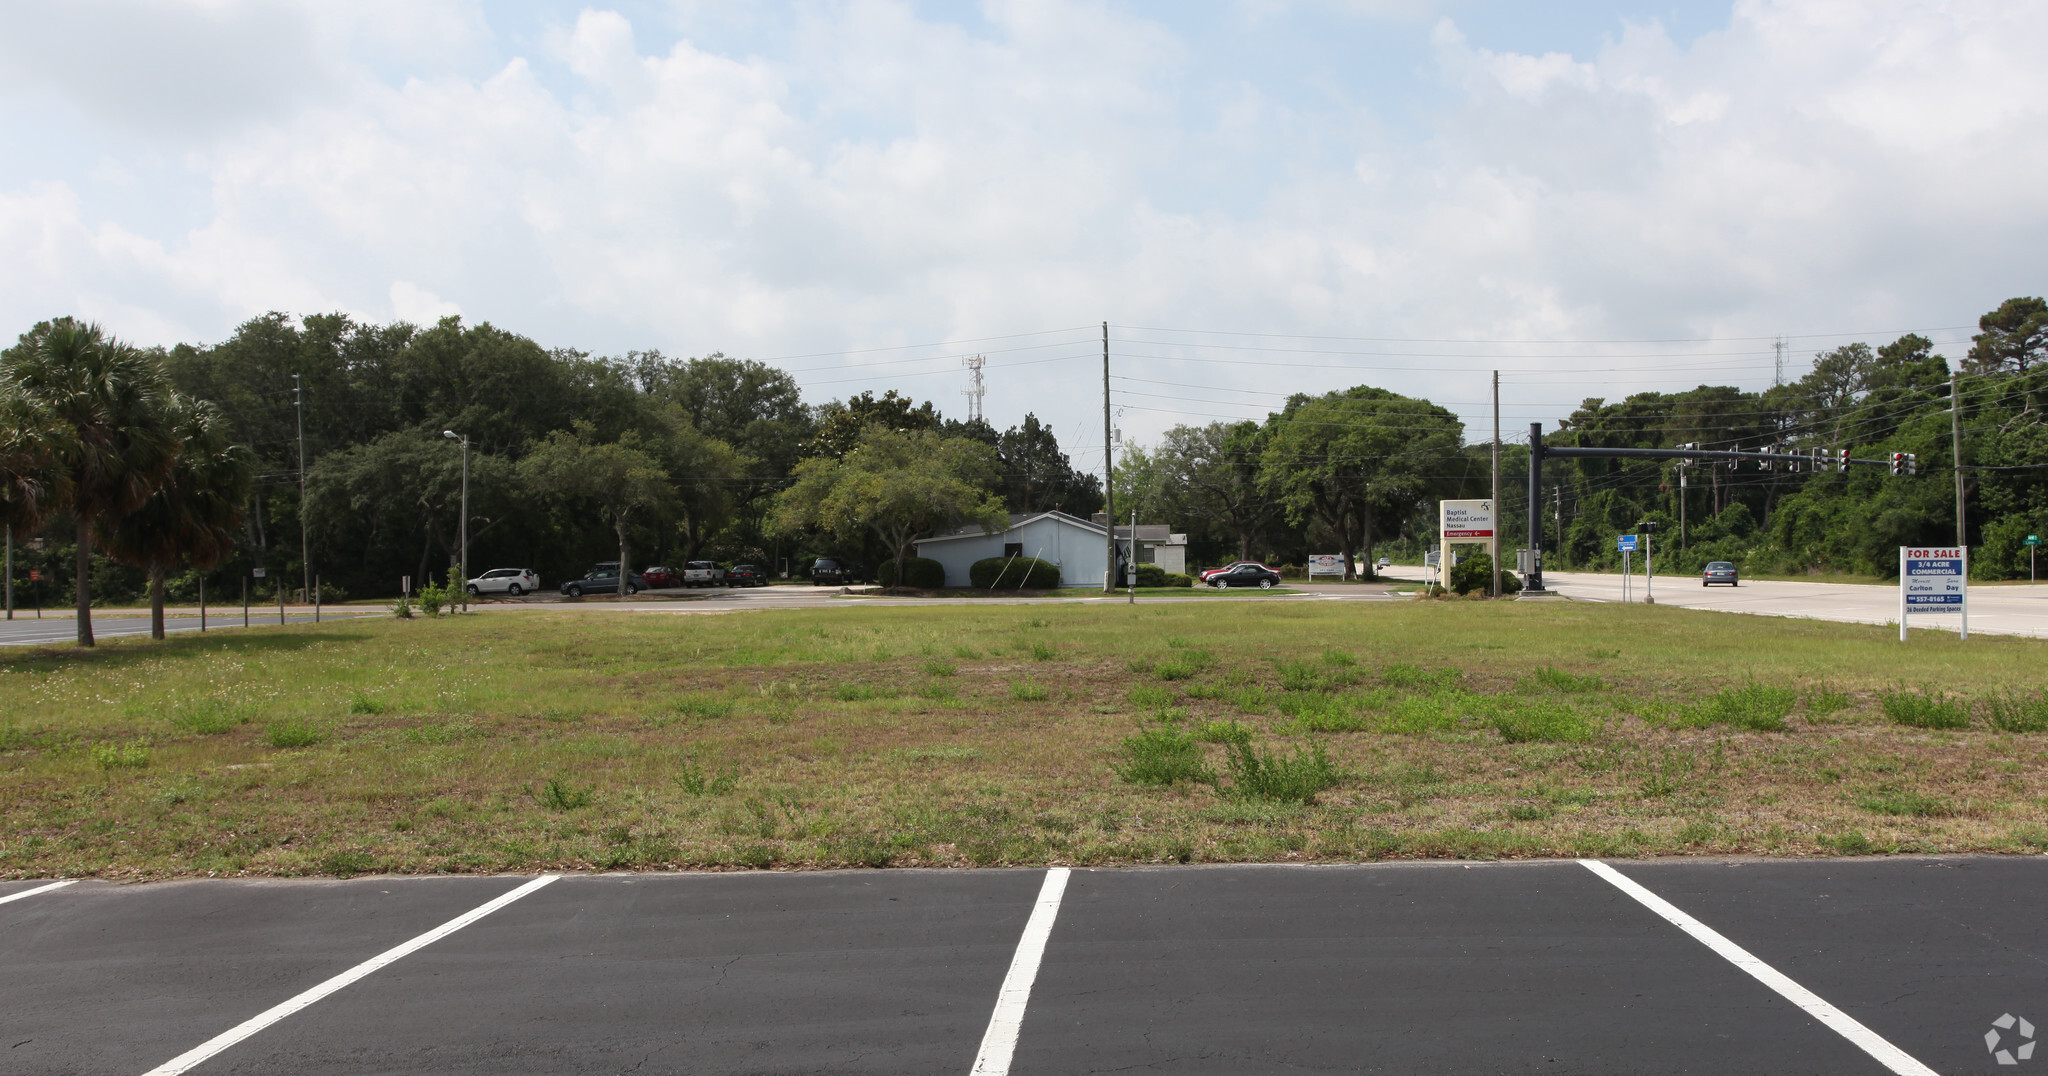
{"x":1013,"y":549}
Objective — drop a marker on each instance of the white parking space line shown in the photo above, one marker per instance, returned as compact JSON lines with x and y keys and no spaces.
{"x":1870,"y":1042}
{"x":38,"y":889}
{"x":999,"y":1043}
{"x":254,"y":1024}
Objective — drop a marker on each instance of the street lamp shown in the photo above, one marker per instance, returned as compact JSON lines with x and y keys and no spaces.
{"x":462,"y":528}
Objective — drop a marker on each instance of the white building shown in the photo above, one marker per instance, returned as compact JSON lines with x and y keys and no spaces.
{"x":1073,"y":543}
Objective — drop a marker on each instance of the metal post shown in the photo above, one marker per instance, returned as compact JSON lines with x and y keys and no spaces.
{"x":245,"y":601}
{"x":202,"y":601}
{"x":1132,"y":574}
{"x":1649,"y":569}
{"x":1496,"y":483}
{"x":10,"y":572}
{"x":280,"y":603}
{"x":1902,"y":591}
{"x":1108,"y":475}
{"x":1681,"y":504}
{"x":465,"y":532}
{"x":316,"y":599}
{"x":1535,"y":584}
{"x":1955,"y":430}
{"x":305,"y":561}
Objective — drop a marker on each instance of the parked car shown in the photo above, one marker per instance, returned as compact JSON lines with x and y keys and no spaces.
{"x":828,"y":571}
{"x":658,"y":577}
{"x":703,"y":573}
{"x":513,"y":581}
{"x":604,"y":580}
{"x":1243,"y":574}
{"x":746,"y":575}
{"x":1718,"y":571}
{"x":1384,"y":562}
{"x":1209,"y":573}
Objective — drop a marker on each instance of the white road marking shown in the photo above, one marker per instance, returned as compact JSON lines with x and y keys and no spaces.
{"x":1870,"y":1042}
{"x":1000,"y":1041}
{"x":38,"y":889}
{"x":254,"y":1024}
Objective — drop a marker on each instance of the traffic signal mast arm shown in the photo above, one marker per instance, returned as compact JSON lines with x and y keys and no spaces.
{"x":1538,"y":452}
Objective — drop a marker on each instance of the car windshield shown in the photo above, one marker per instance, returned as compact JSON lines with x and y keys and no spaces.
{"x":1719,"y":566}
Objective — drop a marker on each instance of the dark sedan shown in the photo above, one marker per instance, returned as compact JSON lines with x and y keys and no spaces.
{"x":1719,"y":571}
{"x":746,"y":575}
{"x":1243,"y":575}
{"x":603,"y":581}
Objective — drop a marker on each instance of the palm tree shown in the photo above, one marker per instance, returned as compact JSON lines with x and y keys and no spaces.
{"x":31,"y":483}
{"x":194,"y":515}
{"x":105,"y":398}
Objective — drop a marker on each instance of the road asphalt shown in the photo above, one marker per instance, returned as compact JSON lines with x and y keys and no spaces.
{"x":1817,"y":966}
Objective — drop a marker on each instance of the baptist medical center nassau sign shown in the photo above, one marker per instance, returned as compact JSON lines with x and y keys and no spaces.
{"x":1934,"y":579}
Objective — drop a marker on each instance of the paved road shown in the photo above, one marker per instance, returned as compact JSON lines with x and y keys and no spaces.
{"x":720,"y":600}
{"x":2000,"y":610}
{"x":1833,"y":966}
{"x":54,"y":630}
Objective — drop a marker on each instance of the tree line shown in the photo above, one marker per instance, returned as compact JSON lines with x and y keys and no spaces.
{"x":321,"y":446}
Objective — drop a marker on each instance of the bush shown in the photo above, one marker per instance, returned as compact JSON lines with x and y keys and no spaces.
{"x":2017,"y":713}
{"x":1151,"y":575}
{"x":1475,"y":572}
{"x":1178,"y":579}
{"x":1756,"y":707}
{"x":1018,"y":573}
{"x":1162,"y":756}
{"x":923,"y":573}
{"x":1930,"y":711}
{"x":1277,"y":778}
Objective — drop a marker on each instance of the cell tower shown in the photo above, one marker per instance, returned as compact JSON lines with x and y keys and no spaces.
{"x":1780,"y":346}
{"x":974,"y":363}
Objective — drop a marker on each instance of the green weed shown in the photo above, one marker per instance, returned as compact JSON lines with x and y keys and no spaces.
{"x":1928,"y":710}
{"x":1824,"y":701}
{"x":1044,"y":652}
{"x":1414,"y":677}
{"x":1570,"y":682}
{"x":1161,"y":756}
{"x":557,"y":794}
{"x":1224,"y":732}
{"x":114,"y":756}
{"x":1753,"y":706}
{"x":1900,"y":801}
{"x":697,"y":781}
{"x":702,"y":708}
{"x":360,"y":703}
{"x":1026,"y":691}
{"x":2014,"y":712}
{"x":1276,"y":778}
{"x":935,"y":667}
{"x":293,"y":732}
{"x":210,"y":717}
{"x":1149,"y":697}
{"x":1541,"y":721}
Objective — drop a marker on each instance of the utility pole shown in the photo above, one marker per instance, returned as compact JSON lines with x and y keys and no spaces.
{"x":1496,"y":484}
{"x":462,"y":526}
{"x":10,"y":572}
{"x":1108,"y":476}
{"x":305,"y":564}
{"x":977,"y":390}
{"x":1780,"y":346}
{"x":1132,"y":575}
{"x":1955,"y":431}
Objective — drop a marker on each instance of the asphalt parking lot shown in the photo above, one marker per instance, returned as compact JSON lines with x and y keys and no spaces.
{"x":1398,"y":968}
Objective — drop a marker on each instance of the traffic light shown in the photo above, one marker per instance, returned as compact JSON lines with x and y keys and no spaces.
{"x":1898,"y":463}
{"x":1648,"y":526}
{"x":1842,"y":461}
{"x":1912,"y":463}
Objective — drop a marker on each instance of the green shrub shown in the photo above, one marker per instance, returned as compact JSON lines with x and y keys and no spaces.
{"x":1276,"y":778}
{"x":1177,"y":579}
{"x":1422,"y":713}
{"x":1321,"y":713}
{"x":1020,"y":573}
{"x":1825,"y":700}
{"x":1151,"y":575}
{"x":1161,"y":756}
{"x":557,"y":794}
{"x":1149,"y":697}
{"x":1026,"y":691}
{"x":2014,"y":712}
{"x":293,"y":732}
{"x":1475,"y":573}
{"x":923,"y":573}
{"x":941,"y":667}
{"x":1541,"y":721}
{"x":1224,"y":732}
{"x":1932,"y":710}
{"x":210,"y":717}
{"x":113,"y":756}
{"x":360,"y":703}
{"x":698,"y":781}
{"x":1561,"y":680}
{"x":1753,"y":706}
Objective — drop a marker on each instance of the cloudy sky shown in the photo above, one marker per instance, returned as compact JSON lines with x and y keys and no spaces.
{"x":1260,"y":196}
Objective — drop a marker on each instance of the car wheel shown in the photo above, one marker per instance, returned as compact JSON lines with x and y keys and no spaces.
{"x":1265,"y":584}
{"x":515,"y":590}
{"x":631,"y":590}
{"x":1221,"y":584}
{"x":474,"y":591}
{"x":574,"y":592}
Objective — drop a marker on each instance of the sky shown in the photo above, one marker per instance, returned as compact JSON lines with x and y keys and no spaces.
{"x":1259,"y":197}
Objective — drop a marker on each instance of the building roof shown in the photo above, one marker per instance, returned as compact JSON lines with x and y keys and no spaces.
{"x":1017,"y":519}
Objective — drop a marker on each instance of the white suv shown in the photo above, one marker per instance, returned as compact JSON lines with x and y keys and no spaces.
{"x":513,"y":581}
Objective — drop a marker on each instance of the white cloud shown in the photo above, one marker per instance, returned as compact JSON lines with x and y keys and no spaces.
{"x":882,"y":178}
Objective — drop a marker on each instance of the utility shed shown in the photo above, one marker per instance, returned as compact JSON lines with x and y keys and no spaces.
{"x":1073,"y":543}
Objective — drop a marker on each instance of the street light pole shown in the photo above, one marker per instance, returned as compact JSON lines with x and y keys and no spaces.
{"x":462,"y":526}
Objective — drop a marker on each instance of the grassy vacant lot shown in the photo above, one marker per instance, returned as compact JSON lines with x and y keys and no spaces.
{"x":1209,"y":731}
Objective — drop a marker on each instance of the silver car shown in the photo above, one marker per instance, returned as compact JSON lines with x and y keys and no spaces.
{"x":1719,"y":571}
{"x":513,"y":581}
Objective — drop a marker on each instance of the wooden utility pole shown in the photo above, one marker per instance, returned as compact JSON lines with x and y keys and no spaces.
{"x":1496,"y":484}
{"x":1108,"y":477}
{"x":1955,"y":431}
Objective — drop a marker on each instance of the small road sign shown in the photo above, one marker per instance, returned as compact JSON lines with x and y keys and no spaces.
{"x":1625,"y":543}
{"x":256,"y":572}
{"x":35,"y":575}
{"x":2033,"y":539}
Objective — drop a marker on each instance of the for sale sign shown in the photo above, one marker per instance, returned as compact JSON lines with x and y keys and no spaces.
{"x":1934,"y":579}
{"x":1465,"y":520}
